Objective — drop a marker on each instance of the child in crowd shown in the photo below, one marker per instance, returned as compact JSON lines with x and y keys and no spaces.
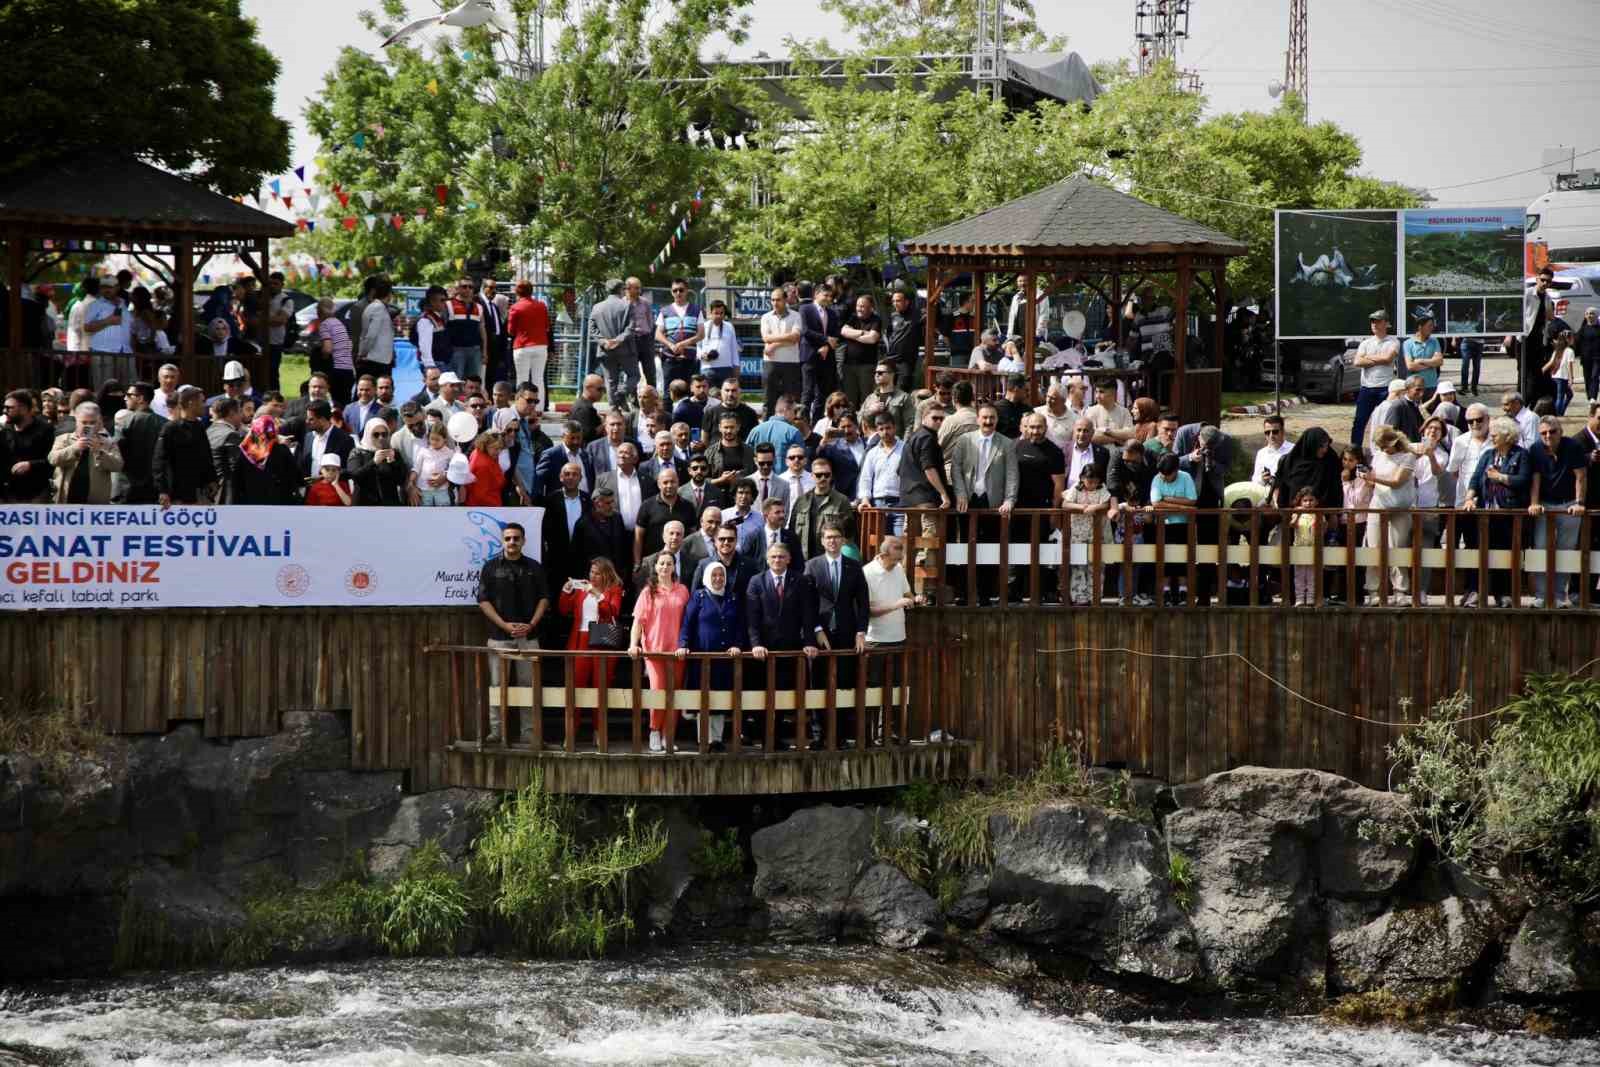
{"x":1304,"y":525}
{"x":1089,"y":503}
{"x":1357,"y":490}
{"x":433,"y":464}
{"x":1562,"y":360}
{"x":331,"y":489}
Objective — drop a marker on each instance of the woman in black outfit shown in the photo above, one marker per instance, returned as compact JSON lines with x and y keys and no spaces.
{"x":265,"y":472}
{"x":378,"y":470}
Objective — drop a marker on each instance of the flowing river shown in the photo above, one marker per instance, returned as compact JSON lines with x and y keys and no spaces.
{"x":702,"y":1006}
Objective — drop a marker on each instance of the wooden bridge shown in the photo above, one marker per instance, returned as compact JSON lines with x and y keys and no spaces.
{"x":1176,"y":693}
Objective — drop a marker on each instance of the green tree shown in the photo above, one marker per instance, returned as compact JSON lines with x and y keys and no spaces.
{"x":594,"y":151}
{"x":395,"y":125}
{"x":184,"y":85}
{"x":934,"y":27}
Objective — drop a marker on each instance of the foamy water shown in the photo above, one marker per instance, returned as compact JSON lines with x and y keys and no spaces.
{"x":812,"y":1007}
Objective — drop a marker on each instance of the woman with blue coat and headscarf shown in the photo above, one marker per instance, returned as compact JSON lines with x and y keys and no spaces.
{"x":713,"y":621}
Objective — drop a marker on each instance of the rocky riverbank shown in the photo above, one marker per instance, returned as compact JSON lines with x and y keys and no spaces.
{"x":1252,"y":887}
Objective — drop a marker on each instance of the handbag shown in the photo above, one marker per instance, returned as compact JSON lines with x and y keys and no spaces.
{"x":607,"y":636}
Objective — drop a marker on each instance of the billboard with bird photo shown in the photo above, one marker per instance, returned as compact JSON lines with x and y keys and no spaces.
{"x":1335,"y":268}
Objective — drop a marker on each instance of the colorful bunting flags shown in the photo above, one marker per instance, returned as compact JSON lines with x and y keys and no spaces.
{"x":349,"y":223}
{"x":359,"y":139}
{"x":371,"y":221}
{"x":433,"y":86}
{"x":441,"y":193}
{"x":300,"y":172}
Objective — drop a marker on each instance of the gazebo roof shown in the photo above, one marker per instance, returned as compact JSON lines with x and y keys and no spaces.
{"x":1076,"y":216}
{"x":128,"y":197}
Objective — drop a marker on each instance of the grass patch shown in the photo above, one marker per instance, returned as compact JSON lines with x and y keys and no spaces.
{"x":50,"y":733}
{"x":531,"y":882}
{"x":1384,"y":1006}
{"x":1244,"y":398}
{"x":1180,"y":875}
{"x":958,"y":836}
{"x":292,"y":374}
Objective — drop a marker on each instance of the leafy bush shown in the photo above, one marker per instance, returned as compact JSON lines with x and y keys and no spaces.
{"x":904,"y":848}
{"x":1520,"y":808}
{"x":51,"y":733}
{"x":718,"y":859}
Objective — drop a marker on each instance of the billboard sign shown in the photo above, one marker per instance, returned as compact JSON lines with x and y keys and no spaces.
{"x":1462,"y":266}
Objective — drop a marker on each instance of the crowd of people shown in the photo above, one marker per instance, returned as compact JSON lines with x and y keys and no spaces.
{"x":680,"y":517}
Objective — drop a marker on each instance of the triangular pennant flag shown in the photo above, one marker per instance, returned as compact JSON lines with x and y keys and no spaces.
{"x":398,"y":220}
{"x":344,"y":197}
{"x":277,"y":187}
{"x":300,"y":224}
{"x":460,"y":263}
{"x":359,"y":139}
{"x":288,"y":201}
{"x":300,"y":172}
{"x":433,"y":86}
{"x":466,"y":55}
{"x":311,"y":224}
{"x":377,"y":130}
{"x":370,"y":197}
{"x":422,"y":214}
{"x":371,"y":221}
{"x":441,"y":193}
{"x":348,"y":222}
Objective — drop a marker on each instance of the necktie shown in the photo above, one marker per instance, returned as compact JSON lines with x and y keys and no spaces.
{"x":763,"y":490}
{"x":778,"y":581}
{"x":833,"y":567}
{"x":983,"y":465}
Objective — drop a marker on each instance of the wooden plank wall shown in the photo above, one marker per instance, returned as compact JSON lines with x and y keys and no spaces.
{"x":1157,"y":698}
{"x":237,"y":670}
{"x":1169,"y":706}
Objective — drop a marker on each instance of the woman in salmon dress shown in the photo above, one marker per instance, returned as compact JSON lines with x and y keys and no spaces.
{"x":657,"y":620}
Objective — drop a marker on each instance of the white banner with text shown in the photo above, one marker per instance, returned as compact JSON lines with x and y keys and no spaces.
{"x":76,"y":557}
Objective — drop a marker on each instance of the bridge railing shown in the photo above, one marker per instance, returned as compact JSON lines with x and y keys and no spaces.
{"x":879,"y":697}
{"x":1415,"y":557}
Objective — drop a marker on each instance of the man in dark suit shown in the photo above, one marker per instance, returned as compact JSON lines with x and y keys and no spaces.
{"x":740,"y":568}
{"x":842,"y":608}
{"x":819,"y":374}
{"x":569,"y":450}
{"x":664,"y":458}
{"x":321,"y":436}
{"x":603,"y":450}
{"x":755,"y":540}
{"x":703,"y":542}
{"x":780,"y":607}
{"x":600,"y":533}
{"x":563,"y":511}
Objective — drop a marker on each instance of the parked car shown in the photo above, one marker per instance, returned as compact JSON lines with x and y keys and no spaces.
{"x":1576,"y":290}
{"x":1326,"y":372}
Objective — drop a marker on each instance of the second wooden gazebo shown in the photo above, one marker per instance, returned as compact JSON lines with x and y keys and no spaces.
{"x":1080,"y":231}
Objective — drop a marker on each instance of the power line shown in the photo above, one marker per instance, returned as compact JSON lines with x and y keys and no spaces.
{"x":1513,"y":174}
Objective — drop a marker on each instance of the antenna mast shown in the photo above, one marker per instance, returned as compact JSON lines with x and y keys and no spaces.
{"x":1159,"y":29}
{"x":1296,"y":69}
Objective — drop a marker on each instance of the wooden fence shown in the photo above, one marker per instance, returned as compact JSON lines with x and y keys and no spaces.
{"x":1182,"y":694}
{"x":1444,"y":554}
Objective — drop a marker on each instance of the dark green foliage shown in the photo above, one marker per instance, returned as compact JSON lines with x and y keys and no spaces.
{"x":184,"y":85}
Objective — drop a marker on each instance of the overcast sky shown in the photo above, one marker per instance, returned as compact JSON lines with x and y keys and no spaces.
{"x":1439,"y":92}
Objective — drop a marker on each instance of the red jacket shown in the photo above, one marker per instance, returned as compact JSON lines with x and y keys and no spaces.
{"x":528,"y":322}
{"x":491,"y":480}
{"x":610,"y":607}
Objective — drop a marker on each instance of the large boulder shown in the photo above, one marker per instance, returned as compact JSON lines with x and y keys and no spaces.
{"x":174,"y":916}
{"x":1550,"y":956}
{"x":668,"y":879}
{"x":1076,"y":877}
{"x":1422,"y":948}
{"x":65,"y":824}
{"x":1266,"y":847}
{"x":892,"y":909}
{"x":806,"y":867}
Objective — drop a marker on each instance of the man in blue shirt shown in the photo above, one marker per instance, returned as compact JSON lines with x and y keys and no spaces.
{"x":777,"y":431}
{"x":1423,"y":354}
{"x":1560,"y":478}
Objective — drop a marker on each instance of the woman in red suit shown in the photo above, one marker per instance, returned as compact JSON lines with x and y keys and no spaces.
{"x":597,"y":600}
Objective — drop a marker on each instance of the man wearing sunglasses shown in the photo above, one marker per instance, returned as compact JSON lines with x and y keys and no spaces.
{"x":679,"y":328}
{"x":725,"y":541}
{"x":1465,"y":452}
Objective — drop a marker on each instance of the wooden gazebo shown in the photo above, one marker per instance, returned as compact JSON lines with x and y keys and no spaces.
{"x":1080,"y":231}
{"x":103,"y":206}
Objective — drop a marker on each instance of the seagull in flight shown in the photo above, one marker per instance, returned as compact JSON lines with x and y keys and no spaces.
{"x":466,"y":15}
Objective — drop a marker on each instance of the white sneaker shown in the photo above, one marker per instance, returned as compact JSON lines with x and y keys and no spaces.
{"x":655,"y":741}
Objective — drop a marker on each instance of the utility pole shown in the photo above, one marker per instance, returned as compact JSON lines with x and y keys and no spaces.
{"x":1296,"y":69}
{"x":1159,"y":29}
{"x":988,"y":59}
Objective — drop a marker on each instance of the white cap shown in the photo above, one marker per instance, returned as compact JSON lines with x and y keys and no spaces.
{"x":449,"y":377}
{"x":463,"y":427}
{"x":234,"y":371}
{"x":331,"y":459}
{"x":1397,"y":386}
{"x":460,"y":470}
{"x":1445,"y":386}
